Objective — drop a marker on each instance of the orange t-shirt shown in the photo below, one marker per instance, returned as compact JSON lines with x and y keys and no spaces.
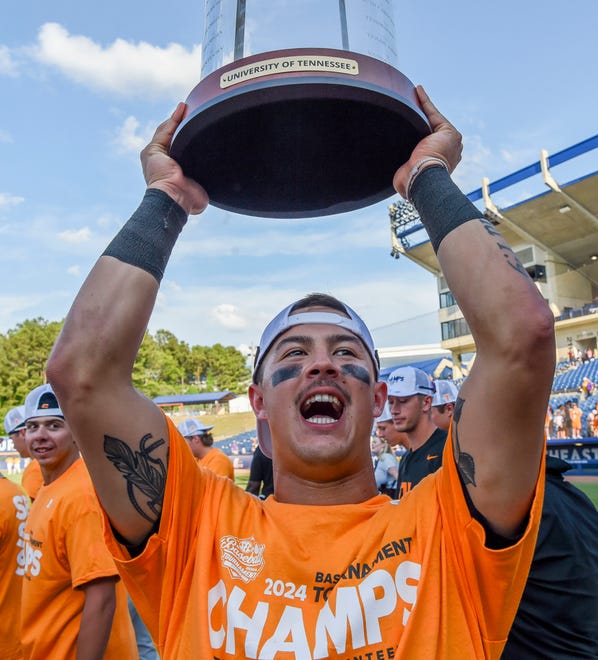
{"x":217,"y":461}
{"x":575,"y":414}
{"x":65,"y":550}
{"x":231,"y":576}
{"x":32,"y":479}
{"x":14,"y":507}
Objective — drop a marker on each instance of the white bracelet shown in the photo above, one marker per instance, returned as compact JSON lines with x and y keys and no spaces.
{"x":417,"y":169}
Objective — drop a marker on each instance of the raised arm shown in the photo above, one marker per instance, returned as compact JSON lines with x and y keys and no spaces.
{"x":122,"y":434}
{"x":498,"y":423}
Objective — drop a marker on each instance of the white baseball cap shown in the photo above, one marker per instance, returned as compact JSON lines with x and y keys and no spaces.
{"x":14,"y":420}
{"x":385,"y":416}
{"x":287,"y":319}
{"x":446,"y":392}
{"x":191,"y":427}
{"x":407,"y":381}
{"x":42,"y":402}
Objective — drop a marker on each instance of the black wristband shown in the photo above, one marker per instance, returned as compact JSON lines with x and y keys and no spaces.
{"x":147,"y":238}
{"x":442,"y":207}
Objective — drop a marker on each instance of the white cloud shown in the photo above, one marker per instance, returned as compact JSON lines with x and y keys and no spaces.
{"x":74,"y":270}
{"x":123,"y":68}
{"x":520,"y":157}
{"x":15,"y":309}
{"x":396,"y":294}
{"x":109,"y":221}
{"x":6,"y":199}
{"x":478,"y":161}
{"x":129,"y":139}
{"x":228,"y":316}
{"x":257,"y":237}
{"x":8,"y":67}
{"x":75,"y":236}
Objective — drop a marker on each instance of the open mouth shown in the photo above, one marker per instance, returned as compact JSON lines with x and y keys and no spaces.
{"x":322,"y":409}
{"x":42,"y":451}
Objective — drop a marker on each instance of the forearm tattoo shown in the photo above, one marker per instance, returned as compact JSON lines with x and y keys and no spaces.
{"x":145,"y":475}
{"x":507,"y":253}
{"x":465,"y":463}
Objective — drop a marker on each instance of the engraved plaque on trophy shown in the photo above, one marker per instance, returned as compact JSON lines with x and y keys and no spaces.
{"x":300,"y":110}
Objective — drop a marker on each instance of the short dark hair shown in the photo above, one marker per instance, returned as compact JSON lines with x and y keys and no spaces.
{"x":207,"y":439}
{"x":320,"y":300}
{"x":442,"y":407}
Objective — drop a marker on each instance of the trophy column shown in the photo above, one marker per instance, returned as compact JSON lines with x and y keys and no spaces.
{"x":297,"y":132}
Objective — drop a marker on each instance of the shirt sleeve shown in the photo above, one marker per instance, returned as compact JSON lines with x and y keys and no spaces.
{"x":194,"y":500}
{"x":87,"y":553}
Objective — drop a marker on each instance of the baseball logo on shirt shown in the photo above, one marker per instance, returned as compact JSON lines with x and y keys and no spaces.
{"x":244,"y":558}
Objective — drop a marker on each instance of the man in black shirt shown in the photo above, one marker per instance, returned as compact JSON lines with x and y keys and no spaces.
{"x":558,"y":614}
{"x":261,"y":482}
{"x":410,"y":394}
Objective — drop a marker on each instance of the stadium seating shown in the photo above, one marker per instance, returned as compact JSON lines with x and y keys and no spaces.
{"x":572,"y":378}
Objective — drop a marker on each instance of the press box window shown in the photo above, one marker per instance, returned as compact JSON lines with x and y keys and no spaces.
{"x":453,"y":329}
{"x":447,"y":300}
{"x":537,"y":273}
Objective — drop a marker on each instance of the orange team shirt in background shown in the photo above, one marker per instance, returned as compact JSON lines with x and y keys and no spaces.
{"x":575,"y":414}
{"x":14,"y":507}
{"x":65,"y":550}
{"x":217,"y":461}
{"x":32,"y":479}
{"x":230,"y":576}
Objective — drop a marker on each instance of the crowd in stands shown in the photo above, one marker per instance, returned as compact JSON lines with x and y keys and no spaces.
{"x":572,"y":412}
{"x":573,"y":376}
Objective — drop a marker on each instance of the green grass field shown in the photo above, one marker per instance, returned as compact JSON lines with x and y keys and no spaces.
{"x":590,"y":488}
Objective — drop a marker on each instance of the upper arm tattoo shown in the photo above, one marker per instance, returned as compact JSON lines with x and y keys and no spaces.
{"x":144,"y":474}
{"x":464,"y":461}
{"x":507,"y":253}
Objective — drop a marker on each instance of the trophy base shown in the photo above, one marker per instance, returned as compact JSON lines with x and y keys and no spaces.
{"x":299,"y":133}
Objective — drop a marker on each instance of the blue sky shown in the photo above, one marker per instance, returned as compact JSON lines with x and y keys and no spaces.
{"x":83,"y":86}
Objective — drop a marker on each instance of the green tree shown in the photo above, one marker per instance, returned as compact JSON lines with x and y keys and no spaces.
{"x":176,"y":370}
{"x":24,"y":352}
{"x":155,"y":370}
{"x":198,"y":367}
{"x":164,"y":364}
{"x":227,"y":368}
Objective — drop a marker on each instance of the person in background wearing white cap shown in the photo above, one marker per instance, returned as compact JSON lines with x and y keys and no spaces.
{"x":326,"y":567}
{"x":385,"y":429}
{"x":73,"y":603}
{"x":410,"y":393}
{"x":14,"y":507}
{"x":201,"y":444}
{"x":443,"y":403}
{"x":14,"y":424}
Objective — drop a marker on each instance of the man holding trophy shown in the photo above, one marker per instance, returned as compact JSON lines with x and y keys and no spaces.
{"x":326,"y":567}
